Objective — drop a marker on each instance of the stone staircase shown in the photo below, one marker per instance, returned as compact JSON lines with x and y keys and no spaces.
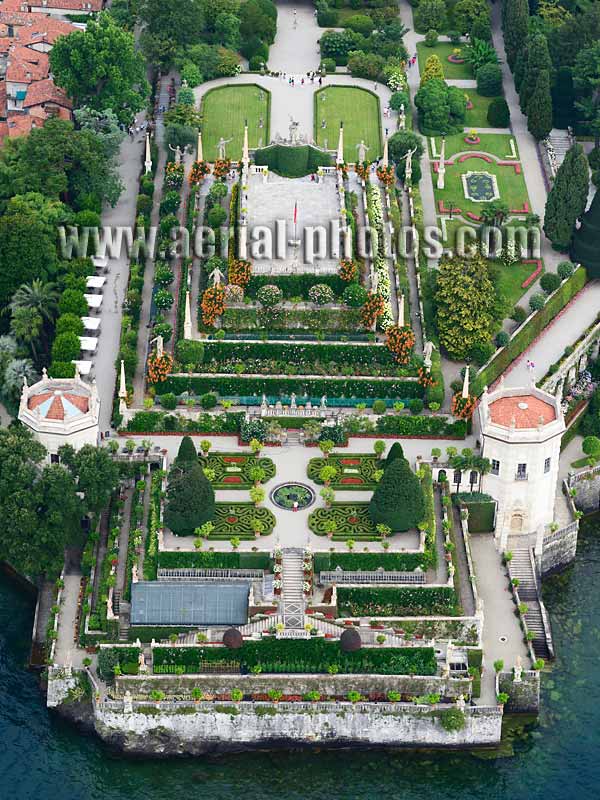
{"x":561,"y":143}
{"x":521,"y":566}
{"x":292,"y":603}
{"x":293,"y":437}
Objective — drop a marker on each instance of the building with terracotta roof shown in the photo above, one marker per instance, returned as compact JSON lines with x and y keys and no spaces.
{"x":61,"y":411}
{"x":521,"y":432}
{"x":28,"y":95}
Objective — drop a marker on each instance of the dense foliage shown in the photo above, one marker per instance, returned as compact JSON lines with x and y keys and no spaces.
{"x":388,"y":602}
{"x":398,"y":498}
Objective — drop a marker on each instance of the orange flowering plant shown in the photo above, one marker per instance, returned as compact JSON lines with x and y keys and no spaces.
{"x":159,"y":367}
{"x":400,"y":342}
{"x":348,"y":270}
{"x":373,"y":307}
{"x":386,"y":175}
{"x":239,"y":272}
{"x":221,"y":167}
{"x":213,"y":304}
{"x":463,"y":407}
{"x":199,"y":170}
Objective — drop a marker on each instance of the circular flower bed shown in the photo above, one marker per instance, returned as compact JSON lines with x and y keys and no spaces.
{"x":472,"y":139}
{"x":287,"y":494}
{"x":455,"y":59}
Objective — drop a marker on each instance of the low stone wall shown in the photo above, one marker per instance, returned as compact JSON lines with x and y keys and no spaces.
{"x":175,"y":729}
{"x":178,"y":685}
{"x":587,"y":487}
{"x":560,"y":549}
{"x":524,"y":695}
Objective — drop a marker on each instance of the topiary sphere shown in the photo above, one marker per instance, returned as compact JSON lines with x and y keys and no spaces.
{"x":233,"y":639}
{"x":350,"y":641}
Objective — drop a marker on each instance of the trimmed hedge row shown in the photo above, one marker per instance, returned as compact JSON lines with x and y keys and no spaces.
{"x":369,"y":562}
{"x":292,"y":161}
{"x":295,"y":353}
{"x":421,"y":426}
{"x":252,"y":319}
{"x":306,"y":656}
{"x":397,"y":602}
{"x":295,"y":285}
{"x":148,"y":421}
{"x":241,"y":385}
{"x":193,"y":560}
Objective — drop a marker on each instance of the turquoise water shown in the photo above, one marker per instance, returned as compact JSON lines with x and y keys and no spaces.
{"x":45,"y":759}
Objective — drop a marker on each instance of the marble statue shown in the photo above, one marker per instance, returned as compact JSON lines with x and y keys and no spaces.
{"x":294,"y":133}
{"x":362,"y":151}
{"x":178,"y":153}
{"x":221,"y":148}
{"x":427,"y":351}
{"x":216,"y":276}
{"x":518,"y":670}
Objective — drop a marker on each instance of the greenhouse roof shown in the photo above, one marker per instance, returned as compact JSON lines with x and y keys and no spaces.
{"x":185,"y":603}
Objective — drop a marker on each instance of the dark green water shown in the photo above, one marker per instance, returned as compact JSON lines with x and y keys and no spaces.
{"x":45,"y":759}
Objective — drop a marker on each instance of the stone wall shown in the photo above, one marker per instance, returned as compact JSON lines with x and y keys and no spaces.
{"x":295,"y":684}
{"x":560,"y":549}
{"x":60,"y":681}
{"x":209,"y":728}
{"x":587,"y":486}
{"x":524,"y":696}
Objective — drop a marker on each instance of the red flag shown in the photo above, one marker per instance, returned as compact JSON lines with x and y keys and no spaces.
{"x":295,"y":212}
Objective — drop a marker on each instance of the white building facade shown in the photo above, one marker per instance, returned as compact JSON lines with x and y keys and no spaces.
{"x":521,"y":431}
{"x":61,"y":411}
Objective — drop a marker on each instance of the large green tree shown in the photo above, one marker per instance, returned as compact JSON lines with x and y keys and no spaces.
{"x":95,"y":471}
{"x":586,"y":77}
{"x":100,"y":68}
{"x":567,"y":198}
{"x":442,"y":108}
{"x":515,"y":18}
{"x":586,"y":239}
{"x":465,"y":300}
{"x":169,"y":25}
{"x":398,"y":499}
{"x":539,"y":107}
{"x":190,"y":499}
{"x":538,"y":60}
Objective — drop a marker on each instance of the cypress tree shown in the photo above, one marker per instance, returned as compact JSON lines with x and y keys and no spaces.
{"x":190,"y":499}
{"x":187,"y":452}
{"x":396,"y":451}
{"x":515,"y":18}
{"x":539,"y":108}
{"x":567,"y":198}
{"x":586,"y":239}
{"x":398,"y":500}
{"x":538,"y":60}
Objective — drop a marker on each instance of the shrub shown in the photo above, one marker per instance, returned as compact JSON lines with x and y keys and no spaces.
{"x":168,"y":401}
{"x":190,"y":500}
{"x":170,"y":203}
{"x":415,"y":405}
{"x":430,"y":14}
{"x":355,"y":295}
{"x":454,"y":36}
{"x":255,"y":64}
{"x":379,"y":407}
{"x":320,"y":294}
{"x":453,"y":719}
{"x":327,"y":17}
{"x":69,"y":323}
{"x":360,"y":23}
{"x":66,"y":347}
{"x":398,"y":499}
{"x":498,"y":113}
{"x":565,"y":269}
{"x":594,"y":158}
{"x":482,"y":352}
{"x":502,"y":338}
{"x":519,"y":314}
{"x":72,"y":301}
{"x":328,"y":64}
{"x":550,"y":282}
{"x":208,"y":401}
{"x":216,"y":216}
{"x":399,"y":99}
{"x":537,"y":301}
{"x":163,"y":299}
{"x":163,"y":276}
{"x":431,"y":38}
{"x":190,"y":352}
{"x":269,"y":295}
{"x":489,"y":80}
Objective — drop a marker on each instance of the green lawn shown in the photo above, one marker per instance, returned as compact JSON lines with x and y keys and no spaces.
{"x":224,"y":111}
{"x":511,"y":186}
{"x":477,"y":116}
{"x":359,"y":111}
{"x":510,"y":279}
{"x":443,"y":50}
{"x":497,"y":144}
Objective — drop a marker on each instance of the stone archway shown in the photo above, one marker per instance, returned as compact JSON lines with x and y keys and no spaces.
{"x":517,"y":522}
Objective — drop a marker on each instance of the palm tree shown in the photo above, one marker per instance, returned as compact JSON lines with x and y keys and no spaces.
{"x":16,"y":370}
{"x":26,"y":326}
{"x":43,"y":297}
{"x":483,"y":466}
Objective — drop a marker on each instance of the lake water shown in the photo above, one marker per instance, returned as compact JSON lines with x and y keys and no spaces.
{"x":42,"y":758}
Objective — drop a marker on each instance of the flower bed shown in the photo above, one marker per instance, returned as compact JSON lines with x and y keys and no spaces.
{"x":232,"y":471}
{"x":352,"y":473}
{"x":370,"y":562}
{"x":305,"y":656}
{"x":350,"y":520}
{"x":397,"y":602}
{"x":210,"y":560}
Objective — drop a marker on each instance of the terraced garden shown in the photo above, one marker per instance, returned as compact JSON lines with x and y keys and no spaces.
{"x":358,"y":471}
{"x":237,"y":470}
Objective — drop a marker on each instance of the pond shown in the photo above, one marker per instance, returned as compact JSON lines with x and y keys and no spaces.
{"x":290,"y":495}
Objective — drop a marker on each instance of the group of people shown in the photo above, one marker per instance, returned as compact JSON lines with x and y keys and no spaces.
{"x":139,"y":127}
{"x":292,"y":80}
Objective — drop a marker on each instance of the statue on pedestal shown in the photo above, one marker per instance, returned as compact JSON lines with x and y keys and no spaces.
{"x":518,"y":670}
{"x":178,"y":153}
{"x":427,"y":351}
{"x":216,"y":276}
{"x":221,"y":148}
{"x":362,"y":151}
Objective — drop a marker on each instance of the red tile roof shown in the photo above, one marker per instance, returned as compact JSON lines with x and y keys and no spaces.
{"x":56,"y":409}
{"x":46,"y":91}
{"x":25,"y":65}
{"x":69,"y":5}
{"x":525,"y":410}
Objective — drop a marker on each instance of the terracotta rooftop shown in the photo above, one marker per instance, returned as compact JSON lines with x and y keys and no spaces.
{"x":525,"y":410}
{"x":25,"y":65}
{"x":69,"y":5}
{"x":58,"y":405}
{"x":46,"y":91}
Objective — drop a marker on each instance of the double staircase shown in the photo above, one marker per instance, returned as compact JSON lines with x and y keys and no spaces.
{"x":522,"y":567}
{"x":292,"y":603}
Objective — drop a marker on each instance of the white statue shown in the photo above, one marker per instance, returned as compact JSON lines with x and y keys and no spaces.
{"x":374,"y":280}
{"x":134,"y":574}
{"x":159,"y":346}
{"x":402,"y":118}
{"x":293,"y":400}
{"x":518,"y":670}
{"x":178,"y":153}
{"x":408,"y":169}
{"x":142,"y":667}
{"x":294,"y":134}
{"x":324,"y":401}
{"x":221,"y":148}
{"x":460,"y":702}
{"x":427,"y":351}
{"x":216,"y":276}
{"x":128,"y":702}
{"x":362,"y":151}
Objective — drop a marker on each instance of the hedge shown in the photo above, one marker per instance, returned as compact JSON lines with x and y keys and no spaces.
{"x":306,"y":656}
{"x":292,"y":161}
{"x":296,"y":354}
{"x":192,"y":560}
{"x":421,"y":426}
{"x":248,"y":318}
{"x":241,"y":385}
{"x":369,"y":562}
{"x":295,"y":285}
{"x":530,"y":330}
{"x":396,"y":602}
{"x":150,"y":421}
{"x":126,"y":658}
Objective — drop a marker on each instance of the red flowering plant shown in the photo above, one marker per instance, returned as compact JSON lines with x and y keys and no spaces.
{"x":159,"y":367}
{"x":213,"y":304}
{"x":362,"y":170}
{"x":400,"y":342}
{"x":425,"y":378}
{"x":221,"y":167}
{"x":386,"y":175}
{"x":199,"y":170}
{"x":373,"y":308}
{"x":239,"y":272}
{"x":463,"y":407}
{"x":343,"y":168}
{"x":348,"y":270}
{"x":174,"y":175}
